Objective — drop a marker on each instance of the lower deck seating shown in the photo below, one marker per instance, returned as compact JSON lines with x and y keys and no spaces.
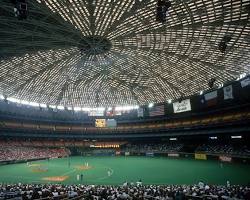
{"x":8,"y":153}
{"x":127,"y":191}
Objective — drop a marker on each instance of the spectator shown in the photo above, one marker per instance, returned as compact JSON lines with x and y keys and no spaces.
{"x":157,"y":192}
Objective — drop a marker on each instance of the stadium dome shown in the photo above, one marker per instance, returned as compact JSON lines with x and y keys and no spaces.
{"x":95,"y":53}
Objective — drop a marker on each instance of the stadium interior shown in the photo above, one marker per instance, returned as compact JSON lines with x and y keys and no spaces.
{"x":125,"y":99}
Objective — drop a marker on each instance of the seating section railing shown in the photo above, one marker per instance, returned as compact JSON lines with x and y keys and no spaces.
{"x":212,"y":120}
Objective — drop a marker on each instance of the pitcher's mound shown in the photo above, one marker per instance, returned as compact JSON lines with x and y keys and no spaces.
{"x":83,"y":167}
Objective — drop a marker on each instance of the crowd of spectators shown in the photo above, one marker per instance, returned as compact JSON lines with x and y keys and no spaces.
{"x":224,"y":149}
{"x":10,"y":153}
{"x":20,"y":150}
{"x":219,"y":149}
{"x":130,"y":192}
{"x":154,"y":147}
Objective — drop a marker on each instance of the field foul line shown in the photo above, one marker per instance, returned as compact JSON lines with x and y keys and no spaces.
{"x":105,"y":177}
{"x":69,"y":172}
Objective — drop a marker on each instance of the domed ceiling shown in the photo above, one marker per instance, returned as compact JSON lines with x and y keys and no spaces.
{"x":94,"y":53}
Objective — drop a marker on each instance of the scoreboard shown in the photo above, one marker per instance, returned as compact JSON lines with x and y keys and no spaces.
{"x":100,"y":123}
{"x":105,"y":123}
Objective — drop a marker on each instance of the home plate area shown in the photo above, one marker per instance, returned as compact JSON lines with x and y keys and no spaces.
{"x":55,"y":178}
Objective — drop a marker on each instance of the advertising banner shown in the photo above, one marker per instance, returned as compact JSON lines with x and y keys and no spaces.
{"x":245,"y":82}
{"x":228,"y":92}
{"x":151,"y":154}
{"x":96,"y":113}
{"x":182,"y":106}
{"x":173,"y":154}
{"x":225,"y":158}
{"x":200,"y":156}
{"x":140,"y":112}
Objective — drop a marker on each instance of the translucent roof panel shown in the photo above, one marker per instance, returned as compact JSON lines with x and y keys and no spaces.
{"x":95,"y":53}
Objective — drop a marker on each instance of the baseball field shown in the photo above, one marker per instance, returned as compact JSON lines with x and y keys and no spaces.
{"x":117,"y":170}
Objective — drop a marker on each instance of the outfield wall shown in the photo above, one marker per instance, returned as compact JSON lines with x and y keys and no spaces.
{"x":2,"y":162}
{"x":6,"y":162}
{"x":197,"y":156}
{"x":174,"y":155}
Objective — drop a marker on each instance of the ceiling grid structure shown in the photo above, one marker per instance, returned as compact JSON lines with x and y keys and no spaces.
{"x":104,"y":53}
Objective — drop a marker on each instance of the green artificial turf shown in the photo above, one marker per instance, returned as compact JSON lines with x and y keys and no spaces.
{"x":151,"y":170}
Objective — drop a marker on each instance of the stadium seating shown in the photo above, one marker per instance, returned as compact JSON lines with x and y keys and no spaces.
{"x":165,"y":147}
{"x":204,"y":121}
{"x":128,"y":191}
{"x":35,"y":149}
{"x":12,"y":152}
{"x":224,"y":149}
